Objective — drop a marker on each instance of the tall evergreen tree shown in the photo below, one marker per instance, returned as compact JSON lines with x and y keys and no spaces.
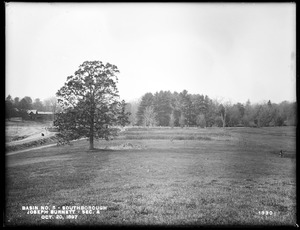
{"x":162,"y":107}
{"x":186,"y":107}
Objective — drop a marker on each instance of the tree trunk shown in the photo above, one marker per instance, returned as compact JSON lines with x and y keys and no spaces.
{"x":92,"y":114}
{"x":223,"y":119}
{"x":91,"y":142}
{"x":92,"y":133}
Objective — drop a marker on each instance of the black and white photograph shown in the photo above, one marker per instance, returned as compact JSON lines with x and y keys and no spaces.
{"x":150,"y":114}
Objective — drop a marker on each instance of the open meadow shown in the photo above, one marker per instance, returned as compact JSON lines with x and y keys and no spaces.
{"x":160,"y":176}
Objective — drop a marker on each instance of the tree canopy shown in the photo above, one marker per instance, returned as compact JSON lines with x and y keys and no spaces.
{"x":90,"y":102}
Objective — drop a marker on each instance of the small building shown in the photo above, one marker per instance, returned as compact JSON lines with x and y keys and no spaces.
{"x":49,"y":116}
{"x":41,"y":116}
{"x":32,"y":114}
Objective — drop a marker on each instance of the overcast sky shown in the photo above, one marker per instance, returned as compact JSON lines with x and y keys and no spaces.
{"x":227,"y":51}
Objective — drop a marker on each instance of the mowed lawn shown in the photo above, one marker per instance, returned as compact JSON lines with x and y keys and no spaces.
{"x":161,"y":176}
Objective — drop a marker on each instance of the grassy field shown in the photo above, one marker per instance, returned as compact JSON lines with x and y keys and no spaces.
{"x":161,"y":176}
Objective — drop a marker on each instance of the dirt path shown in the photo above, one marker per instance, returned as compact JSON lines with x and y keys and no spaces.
{"x":30,"y":149}
{"x":36,"y":148}
{"x":33,"y":136}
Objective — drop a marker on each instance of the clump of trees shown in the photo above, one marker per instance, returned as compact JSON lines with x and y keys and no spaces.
{"x":185,"y":109}
{"x":16,"y":107}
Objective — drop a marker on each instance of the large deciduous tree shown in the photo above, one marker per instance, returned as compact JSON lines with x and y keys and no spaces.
{"x":90,"y":103}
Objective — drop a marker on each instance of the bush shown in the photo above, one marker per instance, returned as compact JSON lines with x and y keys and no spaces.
{"x":279,"y":121}
{"x":201,"y":120}
{"x":218,"y":122}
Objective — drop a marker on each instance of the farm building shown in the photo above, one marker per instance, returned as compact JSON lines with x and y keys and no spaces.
{"x":38,"y":115}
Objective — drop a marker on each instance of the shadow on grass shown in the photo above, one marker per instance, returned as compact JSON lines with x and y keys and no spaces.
{"x":96,"y":150}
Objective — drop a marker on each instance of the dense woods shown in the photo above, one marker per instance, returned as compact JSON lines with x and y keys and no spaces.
{"x":181,"y":109}
{"x":184,"y":109}
{"x":16,"y":107}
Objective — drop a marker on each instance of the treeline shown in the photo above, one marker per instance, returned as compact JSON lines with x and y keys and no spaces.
{"x":178,"y":110}
{"x":16,"y":107}
{"x":183,"y":109}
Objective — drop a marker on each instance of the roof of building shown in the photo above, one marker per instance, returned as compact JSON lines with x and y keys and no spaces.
{"x":49,"y":113}
{"x":32,"y":111}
